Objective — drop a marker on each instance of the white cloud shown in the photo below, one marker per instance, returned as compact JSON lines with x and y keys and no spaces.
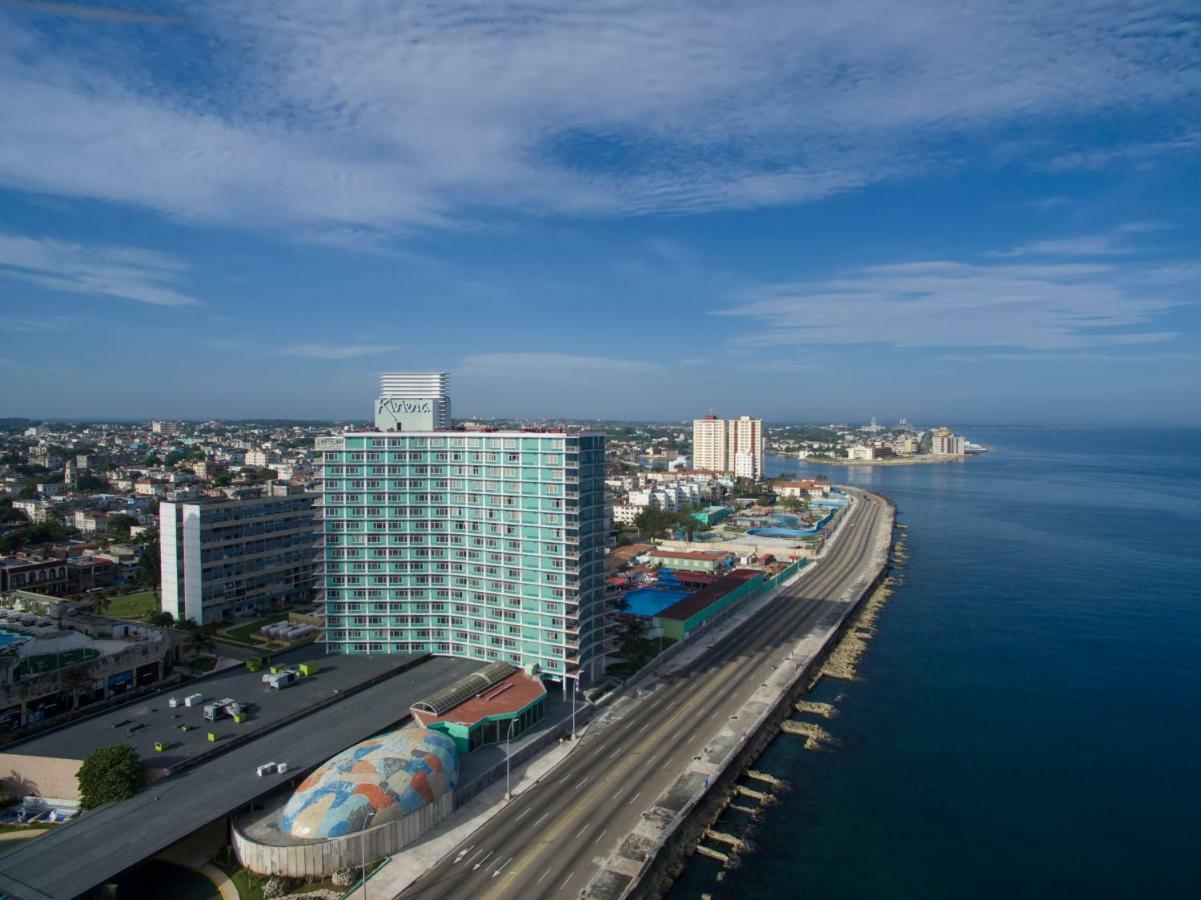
{"x":336,"y":351}
{"x":1091,"y":245}
{"x":126,"y":273}
{"x":347,"y":122}
{"x":942,"y":303}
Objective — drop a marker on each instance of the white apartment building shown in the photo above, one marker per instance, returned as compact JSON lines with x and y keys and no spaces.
{"x":258,"y":459}
{"x":944,"y":443}
{"x":625,"y":514}
{"x":164,"y":427}
{"x":728,"y":445}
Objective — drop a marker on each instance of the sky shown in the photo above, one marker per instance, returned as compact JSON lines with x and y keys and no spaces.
{"x":806,"y":211}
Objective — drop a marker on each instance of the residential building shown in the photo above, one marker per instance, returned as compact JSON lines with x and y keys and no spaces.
{"x":259,"y":459}
{"x":944,"y":443}
{"x":413,"y":401}
{"x":226,"y":558}
{"x":486,"y":546}
{"x":45,"y":576}
{"x":728,"y":445}
{"x":164,"y":427}
{"x":692,"y":560}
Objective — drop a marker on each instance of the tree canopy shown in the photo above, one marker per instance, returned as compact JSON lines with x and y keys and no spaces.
{"x":108,"y":775}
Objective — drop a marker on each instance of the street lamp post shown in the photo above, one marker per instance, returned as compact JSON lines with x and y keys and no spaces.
{"x":575,"y":690}
{"x":508,"y":755}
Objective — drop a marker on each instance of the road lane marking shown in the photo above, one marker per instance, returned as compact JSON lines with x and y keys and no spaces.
{"x":635,"y":797}
{"x":676,"y":733}
{"x":713,"y":714}
{"x":482,"y":861}
{"x":601,"y":835}
{"x":544,"y":874}
{"x":502,"y":866}
{"x":523,"y":812}
{"x":581,"y":831}
{"x":581,"y":783}
{"x":644,"y":727}
{"x":463,"y":853}
{"x":566,"y":880}
{"x":477,"y":853}
{"x":614,"y":753}
{"x":541,"y":817}
{"x":617,"y":794}
{"x":653,"y":757}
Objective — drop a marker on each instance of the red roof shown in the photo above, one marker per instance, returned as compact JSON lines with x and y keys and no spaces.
{"x":509,"y":695}
{"x":692,"y":604}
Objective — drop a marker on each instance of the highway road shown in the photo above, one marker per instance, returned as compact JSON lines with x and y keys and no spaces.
{"x":551,"y":839}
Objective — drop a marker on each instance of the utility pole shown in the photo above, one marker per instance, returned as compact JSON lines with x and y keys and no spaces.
{"x":508,"y":756}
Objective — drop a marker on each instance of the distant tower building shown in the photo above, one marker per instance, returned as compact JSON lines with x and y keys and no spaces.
{"x":164,"y":427}
{"x":413,"y":401}
{"x":728,"y":445}
{"x":944,"y":443}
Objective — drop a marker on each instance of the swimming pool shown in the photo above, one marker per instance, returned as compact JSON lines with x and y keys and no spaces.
{"x":785,"y":519}
{"x":7,"y":638}
{"x":652,"y":601}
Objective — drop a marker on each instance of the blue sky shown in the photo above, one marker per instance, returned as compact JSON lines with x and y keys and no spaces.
{"x":982,"y":212}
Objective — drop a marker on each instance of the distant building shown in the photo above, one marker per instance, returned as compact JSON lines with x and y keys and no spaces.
{"x":164,"y":427}
{"x":226,"y":558}
{"x":944,"y":443}
{"x":728,"y":445}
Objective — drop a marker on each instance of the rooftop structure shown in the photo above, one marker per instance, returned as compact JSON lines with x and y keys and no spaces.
{"x":413,"y":401}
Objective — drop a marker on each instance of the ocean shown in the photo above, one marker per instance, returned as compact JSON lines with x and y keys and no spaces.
{"x":1027,"y":721}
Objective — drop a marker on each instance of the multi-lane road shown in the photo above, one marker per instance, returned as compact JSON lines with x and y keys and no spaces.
{"x":550,"y":840}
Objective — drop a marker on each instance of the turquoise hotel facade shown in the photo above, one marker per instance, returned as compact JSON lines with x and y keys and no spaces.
{"x":486,"y":545}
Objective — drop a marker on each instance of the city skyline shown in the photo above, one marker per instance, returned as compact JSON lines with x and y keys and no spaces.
{"x":804,"y":213}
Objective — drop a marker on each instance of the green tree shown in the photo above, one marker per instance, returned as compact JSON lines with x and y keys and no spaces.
{"x":149,"y":566}
{"x":87,"y":483}
{"x":108,"y":775}
{"x":792,"y":504}
{"x":118,"y":526}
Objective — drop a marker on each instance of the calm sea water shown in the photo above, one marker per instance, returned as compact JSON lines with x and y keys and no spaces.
{"x":1028,"y":719}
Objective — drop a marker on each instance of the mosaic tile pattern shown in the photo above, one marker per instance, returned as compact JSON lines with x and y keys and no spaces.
{"x":380,"y":780}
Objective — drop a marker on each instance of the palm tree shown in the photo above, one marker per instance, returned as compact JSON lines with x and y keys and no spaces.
{"x":77,"y":680}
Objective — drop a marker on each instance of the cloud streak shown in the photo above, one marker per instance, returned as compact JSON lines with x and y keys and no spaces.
{"x":351,"y":121}
{"x":124,"y":273}
{"x":941,"y":303}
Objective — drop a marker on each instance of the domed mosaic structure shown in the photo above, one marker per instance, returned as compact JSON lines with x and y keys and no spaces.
{"x":380,"y":780}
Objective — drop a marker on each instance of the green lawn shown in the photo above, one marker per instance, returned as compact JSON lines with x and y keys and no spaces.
{"x":240,"y":634}
{"x":133,"y":606}
{"x":37,"y":826}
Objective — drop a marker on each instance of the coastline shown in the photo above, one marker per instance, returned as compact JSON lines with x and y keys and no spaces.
{"x":924,"y":459}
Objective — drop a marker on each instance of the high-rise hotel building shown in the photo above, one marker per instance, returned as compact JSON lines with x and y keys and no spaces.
{"x":728,"y":445}
{"x":487,"y":545}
